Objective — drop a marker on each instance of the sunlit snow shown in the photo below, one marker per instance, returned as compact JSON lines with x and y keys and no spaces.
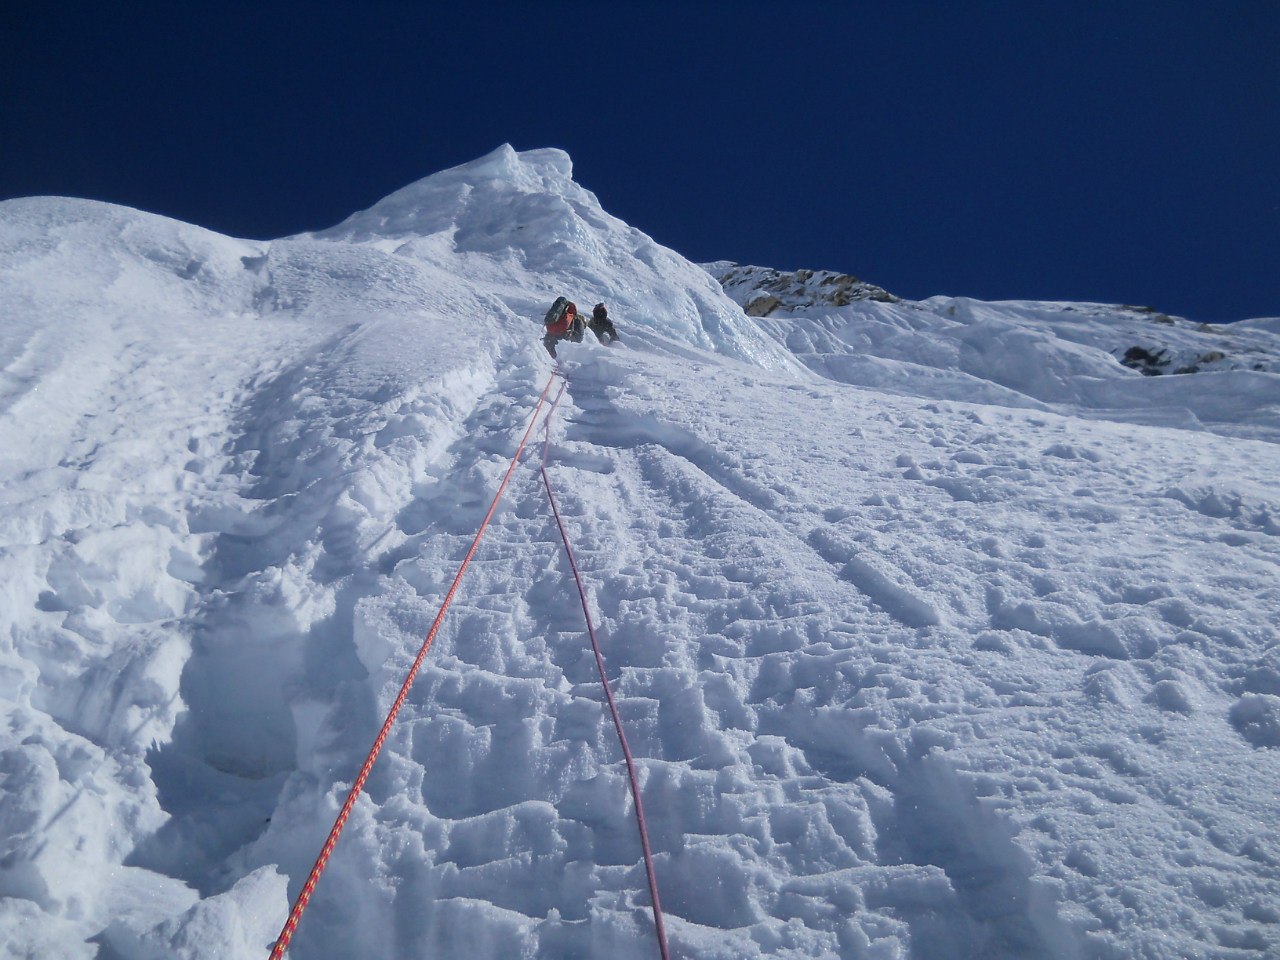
{"x":939,"y":631}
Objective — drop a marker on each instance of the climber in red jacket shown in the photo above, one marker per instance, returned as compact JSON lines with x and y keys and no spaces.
{"x":563,"y":322}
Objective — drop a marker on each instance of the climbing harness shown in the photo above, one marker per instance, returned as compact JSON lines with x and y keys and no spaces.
{"x":308,"y":888}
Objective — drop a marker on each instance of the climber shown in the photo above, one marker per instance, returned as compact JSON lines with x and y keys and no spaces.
{"x":601,"y":325}
{"x":563,"y":322}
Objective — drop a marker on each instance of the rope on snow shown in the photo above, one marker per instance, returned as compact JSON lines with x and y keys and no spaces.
{"x":299,"y":905}
{"x":660,"y":927}
{"x":308,"y":888}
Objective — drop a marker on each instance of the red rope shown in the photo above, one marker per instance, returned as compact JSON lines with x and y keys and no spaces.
{"x":660,"y":927}
{"x":291,"y":924}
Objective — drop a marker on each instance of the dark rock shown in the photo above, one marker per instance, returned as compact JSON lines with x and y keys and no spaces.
{"x":762,"y":306}
{"x":1145,"y":361}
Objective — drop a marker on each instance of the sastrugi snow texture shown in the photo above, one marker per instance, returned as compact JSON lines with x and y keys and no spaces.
{"x":940,"y":628}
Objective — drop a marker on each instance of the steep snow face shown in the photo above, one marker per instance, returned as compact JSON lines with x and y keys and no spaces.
{"x":926,"y":647}
{"x":115,"y":402}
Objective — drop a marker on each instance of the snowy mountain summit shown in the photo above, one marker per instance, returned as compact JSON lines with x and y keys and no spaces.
{"x":939,"y":628}
{"x":539,"y":181}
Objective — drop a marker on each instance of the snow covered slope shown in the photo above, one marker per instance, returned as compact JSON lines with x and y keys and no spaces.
{"x":1022,"y":353}
{"x":937,"y":629}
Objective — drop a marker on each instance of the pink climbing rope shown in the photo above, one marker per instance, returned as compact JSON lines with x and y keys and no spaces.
{"x":304,"y":897}
{"x":608,"y":690}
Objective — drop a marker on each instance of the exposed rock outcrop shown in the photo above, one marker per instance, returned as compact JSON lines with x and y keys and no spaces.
{"x":763,"y":291}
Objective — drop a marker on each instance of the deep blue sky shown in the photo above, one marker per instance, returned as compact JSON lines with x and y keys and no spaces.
{"x":1123,"y":151}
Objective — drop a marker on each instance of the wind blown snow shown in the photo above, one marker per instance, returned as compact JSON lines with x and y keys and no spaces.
{"x":937,"y":627}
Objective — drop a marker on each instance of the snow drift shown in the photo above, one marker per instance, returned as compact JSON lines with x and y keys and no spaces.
{"x":939,"y":628}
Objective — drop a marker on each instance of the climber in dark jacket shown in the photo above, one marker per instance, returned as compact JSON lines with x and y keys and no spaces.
{"x":601,"y":325}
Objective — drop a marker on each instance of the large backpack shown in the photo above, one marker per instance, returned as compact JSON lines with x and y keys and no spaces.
{"x":558,"y":310}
